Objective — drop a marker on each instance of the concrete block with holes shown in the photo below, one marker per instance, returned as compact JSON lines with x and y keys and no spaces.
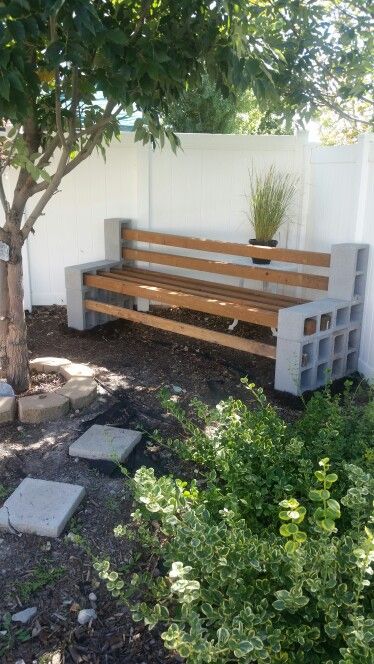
{"x":319,"y":341}
{"x":76,"y":293}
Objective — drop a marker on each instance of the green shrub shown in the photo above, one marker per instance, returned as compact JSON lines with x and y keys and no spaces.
{"x":262,"y":558}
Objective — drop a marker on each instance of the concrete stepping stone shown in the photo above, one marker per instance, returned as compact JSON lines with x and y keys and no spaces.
{"x":75,"y":370}
{"x":48,"y":364}
{"x":80,"y":391}
{"x":105,"y":443}
{"x":7,"y":409}
{"x":42,"y":407}
{"x":40,"y":507}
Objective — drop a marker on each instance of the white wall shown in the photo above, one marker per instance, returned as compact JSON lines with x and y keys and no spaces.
{"x":202,"y":191}
{"x":341,"y":209}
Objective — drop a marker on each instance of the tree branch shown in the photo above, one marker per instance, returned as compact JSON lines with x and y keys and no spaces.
{"x":48,"y":152}
{"x":64,"y":168}
{"x":49,"y":191}
{"x":3,"y":198}
{"x":143,"y":14}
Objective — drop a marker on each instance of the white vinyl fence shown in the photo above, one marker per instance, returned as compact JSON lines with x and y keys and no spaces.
{"x":202,"y":192}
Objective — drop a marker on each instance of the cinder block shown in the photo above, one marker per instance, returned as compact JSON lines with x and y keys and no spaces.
{"x":74,"y":273}
{"x":347,"y":276}
{"x":113,"y":237}
{"x":76,"y":293}
{"x":288,"y":366}
{"x":304,"y":320}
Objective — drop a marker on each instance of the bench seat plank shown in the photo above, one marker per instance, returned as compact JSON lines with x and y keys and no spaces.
{"x":235,"y":291}
{"x":249,"y":311}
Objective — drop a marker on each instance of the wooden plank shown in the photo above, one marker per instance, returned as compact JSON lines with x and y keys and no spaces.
{"x":194,"y":290}
{"x":224,"y":289}
{"x":219,"y":307}
{"x":289,"y":278}
{"x":166,"y":277}
{"x":297,"y":256}
{"x":231,"y":341}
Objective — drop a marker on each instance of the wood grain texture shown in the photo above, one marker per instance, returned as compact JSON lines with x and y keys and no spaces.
{"x":251,"y":313}
{"x":289,"y":278}
{"x":238,"y":343}
{"x":235,"y":248}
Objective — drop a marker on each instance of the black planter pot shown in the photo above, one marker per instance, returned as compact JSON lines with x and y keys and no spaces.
{"x":262,"y":243}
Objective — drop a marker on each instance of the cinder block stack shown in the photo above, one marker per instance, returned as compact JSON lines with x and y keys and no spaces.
{"x":77,"y":292}
{"x":319,"y":341}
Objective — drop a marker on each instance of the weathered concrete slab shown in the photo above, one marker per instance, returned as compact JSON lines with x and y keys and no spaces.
{"x":80,"y":391}
{"x":102,"y":442}
{"x":76,"y":370}
{"x":40,"y":507}
{"x":48,"y":364}
{"x":7,"y":409}
{"x":42,"y":407}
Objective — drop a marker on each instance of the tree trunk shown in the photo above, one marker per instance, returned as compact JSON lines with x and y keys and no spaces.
{"x":4,"y":308}
{"x":17,"y":362}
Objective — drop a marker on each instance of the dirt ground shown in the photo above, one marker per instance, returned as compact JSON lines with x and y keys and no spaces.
{"x":131,"y":364}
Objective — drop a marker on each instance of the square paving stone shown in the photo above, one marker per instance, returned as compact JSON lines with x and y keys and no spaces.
{"x":40,"y":507}
{"x":106,"y":443}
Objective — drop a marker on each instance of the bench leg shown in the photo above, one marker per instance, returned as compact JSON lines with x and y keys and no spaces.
{"x":316,"y":342}
{"x":77,"y":293}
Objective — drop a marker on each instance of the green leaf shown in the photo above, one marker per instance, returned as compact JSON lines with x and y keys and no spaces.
{"x":327,"y":524}
{"x":4,"y":88}
{"x":117,"y":36}
{"x":291,"y":546}
{"x":334,"y":506}
{"x":244,"y":647}
{"x":315,"y":495}
{"x":223,"y":635}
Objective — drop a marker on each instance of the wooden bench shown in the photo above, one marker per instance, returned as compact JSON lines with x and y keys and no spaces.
{"x":234,"y":302}
{"x":315,"y":339}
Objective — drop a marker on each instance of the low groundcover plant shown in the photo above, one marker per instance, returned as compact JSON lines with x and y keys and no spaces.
{"x":267,"y":556}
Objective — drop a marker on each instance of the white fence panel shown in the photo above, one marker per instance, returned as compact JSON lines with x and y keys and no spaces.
{"x":202,"y":191}
{"x":341,"y":209}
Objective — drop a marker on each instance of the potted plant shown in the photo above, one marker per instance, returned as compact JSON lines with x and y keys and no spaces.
{"x":271,"y":195}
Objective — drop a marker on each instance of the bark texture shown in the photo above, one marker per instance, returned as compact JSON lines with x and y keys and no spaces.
{"x":4,"y":307}
{"x":17,"y":364}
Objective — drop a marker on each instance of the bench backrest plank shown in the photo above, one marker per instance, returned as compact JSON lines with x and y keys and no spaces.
{"x":289,"y":278}
{"x":232,"y":248}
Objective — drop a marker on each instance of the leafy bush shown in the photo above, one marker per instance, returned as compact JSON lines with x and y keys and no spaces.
{"x":263,"y":558}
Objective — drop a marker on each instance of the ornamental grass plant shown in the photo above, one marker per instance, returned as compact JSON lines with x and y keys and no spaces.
{"x":271,"y":195}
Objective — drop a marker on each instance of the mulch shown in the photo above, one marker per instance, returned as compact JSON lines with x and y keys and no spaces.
{"x":132,"y":363}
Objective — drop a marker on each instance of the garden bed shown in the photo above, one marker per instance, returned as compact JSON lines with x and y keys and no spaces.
{"x":131,"y":364}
